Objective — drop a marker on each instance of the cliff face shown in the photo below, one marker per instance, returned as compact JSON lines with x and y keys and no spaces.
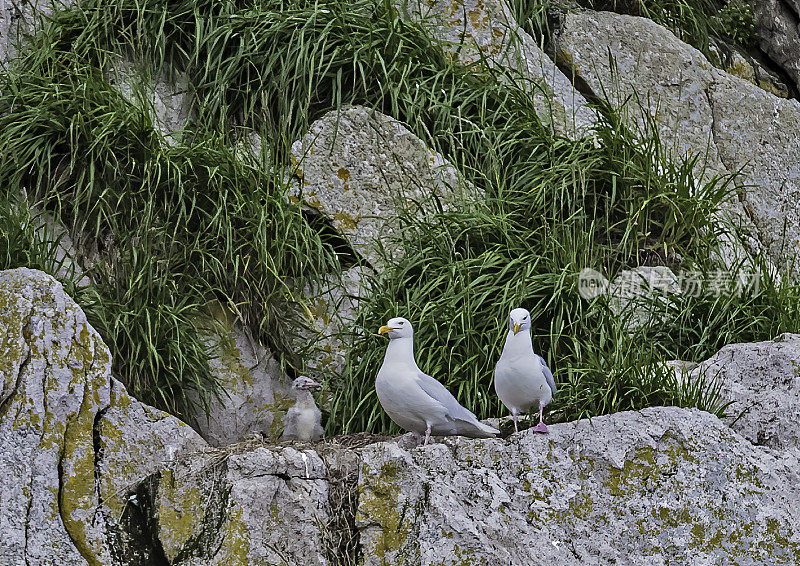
{"x":92,"y":476}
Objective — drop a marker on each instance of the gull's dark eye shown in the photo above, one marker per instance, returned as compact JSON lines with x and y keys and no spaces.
{"x":525,"y":317}
{"x":402,"y":323}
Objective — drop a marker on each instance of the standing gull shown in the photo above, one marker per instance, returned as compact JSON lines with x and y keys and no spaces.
{"x":414,"y":400}
{"x":302,"y":421}
{"x":522,"y":379}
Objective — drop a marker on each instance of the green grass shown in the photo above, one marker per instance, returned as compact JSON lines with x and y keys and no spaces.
{"x":170,"y":229}
{"x":567,"y":206}
{"x":173,"y":228}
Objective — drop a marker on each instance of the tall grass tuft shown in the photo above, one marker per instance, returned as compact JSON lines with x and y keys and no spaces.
{"x":171,"y":228}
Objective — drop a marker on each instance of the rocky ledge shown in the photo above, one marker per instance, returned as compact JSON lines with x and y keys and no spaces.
{"x":91,"y":476}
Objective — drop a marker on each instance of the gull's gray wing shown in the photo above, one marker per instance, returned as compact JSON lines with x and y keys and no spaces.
{"x":435,"y":389}
{"x":470,"y":425}
{"x":548,"y":375}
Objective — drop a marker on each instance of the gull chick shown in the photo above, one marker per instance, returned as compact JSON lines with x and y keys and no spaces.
{"x":302,"y":421}
{"x":414,"y":400}
{"x":522,"y":379}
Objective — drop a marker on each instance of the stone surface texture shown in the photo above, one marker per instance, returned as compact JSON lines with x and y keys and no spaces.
{"x":697,"y":109}
{"x":64,"y":424}
{"x":255,"y":392}
{"x":361,"y":169}
{"x":91,"y":476}
{"x":165,"y":98}
{"x":778,"y":29}
{"x":486,"y":30}
{"x":762,"y":382}
{"x":268,"y":505}
{"x":664,"y":486}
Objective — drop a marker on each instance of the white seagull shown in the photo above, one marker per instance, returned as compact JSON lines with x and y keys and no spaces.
{"x":302,"y":421}
{"x":414,"y":400}
{"x":522,"y":379}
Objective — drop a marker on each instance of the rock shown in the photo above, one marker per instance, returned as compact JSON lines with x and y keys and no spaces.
{"x":73,"y":441}
{"x":778,"y":29}
{"x":739,"y":63}
{"x":756,"y":132}
{"x":663,"y":78}
{"x":136,"y":440}
{"x":268,"y":505}
{"x":55,"y":380}
{"x":361,"y":169}
{"x":663,"y":486}
{"x":697,"y":109}
{"x":476,"y":29}
{"x":331,"y":308}
{"x":164,"y":98}
{"x":256,"y":393}
{"x":636,"y":294}
{"x":762,"y":382}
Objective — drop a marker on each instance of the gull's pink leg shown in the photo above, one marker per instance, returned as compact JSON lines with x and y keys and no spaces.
{"x":514,"y":415}
{"x":541,"y":427}
{"x":427,"y":436}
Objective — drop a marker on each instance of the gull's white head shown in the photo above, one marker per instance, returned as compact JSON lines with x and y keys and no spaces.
{"x":519,"y":320}
{"x":397,"y":328}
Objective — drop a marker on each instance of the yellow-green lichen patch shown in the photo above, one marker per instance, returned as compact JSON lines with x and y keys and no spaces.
{"x":77,"y":499}
{"x":312,"y":200}
{"x":180,"y":512}
{"x":464,"y":557}
{"x":378,"y":503}
{"x":236,"y":543}
{"x":633,"y":473}
{"x":279,"y":407}
{"x":346,"y":222}
{"x":120,"y":399}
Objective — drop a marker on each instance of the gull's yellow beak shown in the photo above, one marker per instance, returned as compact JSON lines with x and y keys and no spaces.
{"x":384,"y":329}
{"x":517,"y":326}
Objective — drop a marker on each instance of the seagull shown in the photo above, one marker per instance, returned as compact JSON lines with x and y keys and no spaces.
{"x":302,"y":421}
{"x":414,"y":400}
{"x":521,"y":378}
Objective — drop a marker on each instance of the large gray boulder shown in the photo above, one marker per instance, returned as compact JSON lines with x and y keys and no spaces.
{"x":72,"y":440}
{"x":362,"y":169}
{"x":778,"y":29}
{"x":486,"y":30}
{"x":664,"y":486}
{"x":661,"y":486}
{"x":255,"y":391}
{"x":697,"y":109}
{"x":761,"y":380}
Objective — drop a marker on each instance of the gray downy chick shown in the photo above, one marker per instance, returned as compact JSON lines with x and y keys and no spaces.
{"x":302,"y":421}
